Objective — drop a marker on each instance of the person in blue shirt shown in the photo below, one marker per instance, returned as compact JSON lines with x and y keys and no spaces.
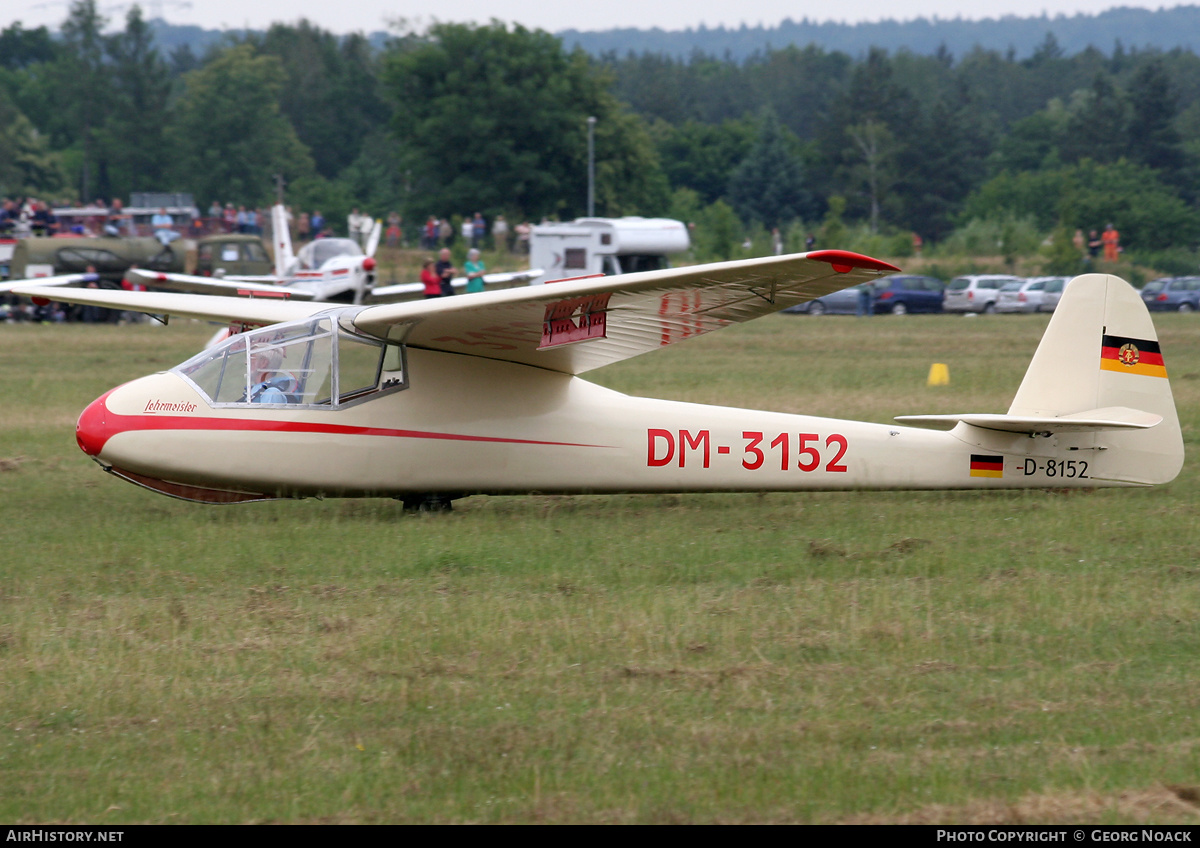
{"x":268,"y":383}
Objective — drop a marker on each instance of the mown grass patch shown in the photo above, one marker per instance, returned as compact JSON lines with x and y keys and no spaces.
{"x":1018,"y":656}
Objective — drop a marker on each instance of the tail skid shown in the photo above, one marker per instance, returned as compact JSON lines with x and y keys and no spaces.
{"x":1097,"y":383}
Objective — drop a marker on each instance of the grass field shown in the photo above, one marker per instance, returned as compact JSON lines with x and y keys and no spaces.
{"x":861,"y":657}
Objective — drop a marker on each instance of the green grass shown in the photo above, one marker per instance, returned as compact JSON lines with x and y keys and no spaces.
{"x":1023,"y":656}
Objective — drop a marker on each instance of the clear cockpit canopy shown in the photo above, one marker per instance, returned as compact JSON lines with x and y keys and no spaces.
{"x":307,"y":364}
{"x":316,"y":253}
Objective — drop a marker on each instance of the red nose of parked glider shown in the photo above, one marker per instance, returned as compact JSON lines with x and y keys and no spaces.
{"x":91,"y":431}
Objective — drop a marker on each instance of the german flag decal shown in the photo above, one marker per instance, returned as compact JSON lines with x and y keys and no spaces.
{"x":987,"y":466}
{"x":1131,"y":356}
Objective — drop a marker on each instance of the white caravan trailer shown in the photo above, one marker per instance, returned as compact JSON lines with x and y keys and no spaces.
{"x":590,"y":246}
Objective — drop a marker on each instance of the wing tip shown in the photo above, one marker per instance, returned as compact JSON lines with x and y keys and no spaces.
{"x":845,"y":260}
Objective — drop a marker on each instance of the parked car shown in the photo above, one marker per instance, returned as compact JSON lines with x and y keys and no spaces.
{"x":1016,"y":297}
{"x":896,"y":295}
{"x":975,"y":292}
{"x":906,"y":293}
{"x":1030,"y":295}
{"x":1172,"y":294}
{"x":1052,"y":292}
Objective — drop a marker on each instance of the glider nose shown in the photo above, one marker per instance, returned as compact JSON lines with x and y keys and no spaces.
{"x":91,"y":431}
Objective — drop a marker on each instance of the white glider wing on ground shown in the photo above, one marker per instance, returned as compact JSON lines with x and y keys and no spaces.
{"x":430,"y":400}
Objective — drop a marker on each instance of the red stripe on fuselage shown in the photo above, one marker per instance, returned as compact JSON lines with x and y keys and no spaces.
{"x":114,"y":423}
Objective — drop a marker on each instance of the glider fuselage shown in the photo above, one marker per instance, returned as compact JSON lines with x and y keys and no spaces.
{"x":465,"y":425}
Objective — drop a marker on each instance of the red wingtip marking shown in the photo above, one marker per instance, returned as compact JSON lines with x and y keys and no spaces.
{"x":844,"y":260}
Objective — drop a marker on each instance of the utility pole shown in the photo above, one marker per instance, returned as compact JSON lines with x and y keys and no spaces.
{"x":591,"y":204}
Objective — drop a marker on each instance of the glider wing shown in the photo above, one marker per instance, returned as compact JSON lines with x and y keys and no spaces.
{"x":577,"y":325}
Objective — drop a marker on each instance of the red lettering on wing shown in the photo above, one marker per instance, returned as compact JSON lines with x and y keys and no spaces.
{"x":575,"y":319}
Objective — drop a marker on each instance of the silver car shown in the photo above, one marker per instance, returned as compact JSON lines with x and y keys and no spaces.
{"x":1026,"y":296}
{"x":975,"y":292}
{"x":1051,"y":291}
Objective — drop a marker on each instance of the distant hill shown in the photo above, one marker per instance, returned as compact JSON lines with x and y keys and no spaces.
{"x":170,"y":37}
{"x":1163,"y":29}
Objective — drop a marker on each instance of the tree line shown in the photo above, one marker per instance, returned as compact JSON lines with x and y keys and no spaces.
{"x":459,"y":118}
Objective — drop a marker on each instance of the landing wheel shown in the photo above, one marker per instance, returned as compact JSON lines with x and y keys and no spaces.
{"x":428,"y":503}
{"x":816,"y":308}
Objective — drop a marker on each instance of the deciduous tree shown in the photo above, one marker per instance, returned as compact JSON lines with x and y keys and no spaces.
{"x":491,"y":118}
{"x":229,"y":137}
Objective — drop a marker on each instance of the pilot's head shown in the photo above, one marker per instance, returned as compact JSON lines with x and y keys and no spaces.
{"x":265,"y":358}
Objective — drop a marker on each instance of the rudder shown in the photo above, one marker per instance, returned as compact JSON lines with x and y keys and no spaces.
{"x":1101,"y":351}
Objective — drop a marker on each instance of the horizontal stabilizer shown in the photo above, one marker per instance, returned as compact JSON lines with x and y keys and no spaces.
{"x":1109,"y":418}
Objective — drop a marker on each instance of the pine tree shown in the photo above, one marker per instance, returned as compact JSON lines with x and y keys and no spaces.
{"x":1153,"y":139}
{"x":768,"y":186}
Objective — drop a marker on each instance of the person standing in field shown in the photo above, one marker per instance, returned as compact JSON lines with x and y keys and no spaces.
{"x":500,"y":234}
{"x":445,"y":271}
{"x":356,"y":226}
{"x":474,"y":269}
{"x":478,"y":230}
{"x":1112,"y":243}
{"x":430,"y":279}
{"x":865,"y":306}
{"x":395,"y":236}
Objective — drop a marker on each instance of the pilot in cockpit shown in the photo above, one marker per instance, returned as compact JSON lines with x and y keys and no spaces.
{"x":268,"y":383}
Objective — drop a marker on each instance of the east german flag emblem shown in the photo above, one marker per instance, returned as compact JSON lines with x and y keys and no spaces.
{"x":987,"y":466}
{"x":1131,"y":356}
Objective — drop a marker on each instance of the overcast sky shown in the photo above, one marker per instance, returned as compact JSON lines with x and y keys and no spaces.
{"x":552,"y":15}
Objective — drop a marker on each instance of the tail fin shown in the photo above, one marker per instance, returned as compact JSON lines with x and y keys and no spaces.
{"x":283,"y":240}
{"x":373,"y":239}
{"x":1097,"y":384}
{"x":1100,"y":353}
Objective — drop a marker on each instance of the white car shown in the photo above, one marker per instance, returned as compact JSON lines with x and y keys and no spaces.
{"x":975,"y":292}
{"x":1051,"y":292}
{"x":1023,"y":296}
